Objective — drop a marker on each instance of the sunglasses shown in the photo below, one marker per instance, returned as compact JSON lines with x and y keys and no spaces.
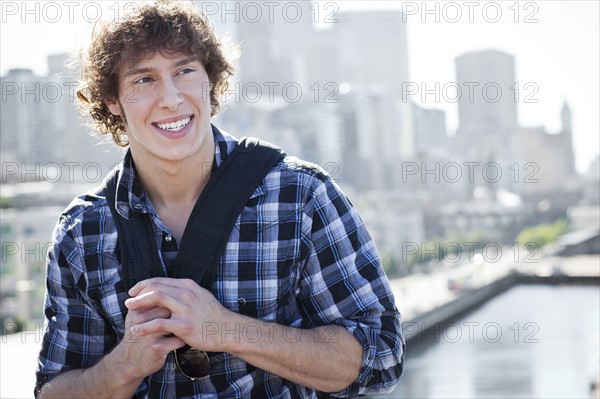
{"x":193,"y":363}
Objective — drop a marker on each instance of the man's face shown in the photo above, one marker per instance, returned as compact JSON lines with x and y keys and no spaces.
{"x":165,"y":103}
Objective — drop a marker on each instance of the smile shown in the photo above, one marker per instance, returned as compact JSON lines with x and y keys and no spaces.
{"x":174,"y":126}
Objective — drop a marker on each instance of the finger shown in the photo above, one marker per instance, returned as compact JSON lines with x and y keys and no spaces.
{"x":160,"y":281}
{"x":135,"y":290}
{"x":144,"y":315}
{"x":160,"y":345}
{"x":133,"y":335}
{"x":153,"y":299}
{"x":157,"y":313}
{"x":161,"y":326}
{"x":172,"y":342}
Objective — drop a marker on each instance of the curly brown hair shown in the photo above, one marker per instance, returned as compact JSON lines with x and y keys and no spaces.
{"x":167,"y":27}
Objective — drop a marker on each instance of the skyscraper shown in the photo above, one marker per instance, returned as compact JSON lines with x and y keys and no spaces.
{"x":567,"y":140}
{"x":490,"y":102}
{"x":429,"y":126}
{"x":274,"y":42}
{"x":27,"y":127}
{"x":370,"y":48}
{"x":488,"y":124}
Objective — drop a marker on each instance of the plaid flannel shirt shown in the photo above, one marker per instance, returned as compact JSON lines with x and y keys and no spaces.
{"x":299,"y":255}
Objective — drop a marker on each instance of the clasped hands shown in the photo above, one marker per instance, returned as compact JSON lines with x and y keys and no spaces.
{"x":165,"y":314}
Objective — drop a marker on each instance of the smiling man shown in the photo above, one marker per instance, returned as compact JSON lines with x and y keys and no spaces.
{"x":299,"y":302}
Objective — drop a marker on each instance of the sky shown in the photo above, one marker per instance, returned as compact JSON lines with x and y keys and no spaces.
{"x":556,"y":45}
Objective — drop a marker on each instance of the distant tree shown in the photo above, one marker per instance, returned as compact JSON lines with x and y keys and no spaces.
{"x":389,"y":264}
{"x":543,"y":234}
{"x":5,"y":203}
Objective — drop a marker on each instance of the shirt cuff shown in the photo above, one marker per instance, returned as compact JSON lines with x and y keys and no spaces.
{"x":361,"y":332}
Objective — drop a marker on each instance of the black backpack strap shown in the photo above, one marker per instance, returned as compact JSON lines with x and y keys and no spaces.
{"x":218,"y":207}
{"x":139,"y":253}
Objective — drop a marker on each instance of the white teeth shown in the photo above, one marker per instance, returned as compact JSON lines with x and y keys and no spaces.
{"x":174,"y":126}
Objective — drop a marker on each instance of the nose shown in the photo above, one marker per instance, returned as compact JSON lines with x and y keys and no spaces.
{"x":170,"y":97}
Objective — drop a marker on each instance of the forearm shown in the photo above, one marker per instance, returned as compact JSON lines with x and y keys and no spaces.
{"x":107,"y":379}
{"x":327,"y":358}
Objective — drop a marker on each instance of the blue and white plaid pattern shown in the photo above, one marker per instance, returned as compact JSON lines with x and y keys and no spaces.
{"x":299,"y":255}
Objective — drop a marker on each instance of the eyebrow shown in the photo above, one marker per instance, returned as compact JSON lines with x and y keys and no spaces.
{"x":179,"y":63}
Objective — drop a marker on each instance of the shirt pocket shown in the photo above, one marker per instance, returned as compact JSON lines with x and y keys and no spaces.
{"x":252,"y":295}
{"x":255,"y":280}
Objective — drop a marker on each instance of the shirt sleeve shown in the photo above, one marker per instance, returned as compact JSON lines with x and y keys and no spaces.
{"x":76,"y":334}
{"x":344,"y":283}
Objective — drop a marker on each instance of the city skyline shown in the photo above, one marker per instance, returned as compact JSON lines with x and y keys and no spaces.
{"x":559,"y":64}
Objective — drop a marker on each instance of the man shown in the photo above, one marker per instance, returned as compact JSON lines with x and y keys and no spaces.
{"x":299,"y":303}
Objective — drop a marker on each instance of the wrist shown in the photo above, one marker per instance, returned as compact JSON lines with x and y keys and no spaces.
{"x":237,"y":331}
{"x":122,"y":372}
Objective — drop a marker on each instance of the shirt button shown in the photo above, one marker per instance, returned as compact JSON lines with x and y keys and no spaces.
{"x":138,"y":206}
{"x":241,"y":301}
{"x":168,"y":238}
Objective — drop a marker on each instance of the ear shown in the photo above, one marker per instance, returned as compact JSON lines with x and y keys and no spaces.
{"x":113,"y":106}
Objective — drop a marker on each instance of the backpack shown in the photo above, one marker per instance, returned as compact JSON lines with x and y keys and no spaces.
{"x":210,"y":222}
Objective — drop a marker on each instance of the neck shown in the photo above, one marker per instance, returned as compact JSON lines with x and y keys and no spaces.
{"x":176,"y":183}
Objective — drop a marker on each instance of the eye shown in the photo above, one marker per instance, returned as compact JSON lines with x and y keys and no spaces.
{"x":143,"y":80}
{"x":185,"y":71}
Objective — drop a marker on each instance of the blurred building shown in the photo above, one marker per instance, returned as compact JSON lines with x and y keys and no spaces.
{"x":294,"y":51}
{"x":79,"y":145}
{"x":593,"y":172}
{"x":489,"y":220}
{"x":548,"y":164}
{"x":591,"y":184}
{"x":273,"y":46}
{"x":488,"y":125}
{"x":429,"y":129}
{"x":368,"y":47}
{"x":25,"y":237}
{"x":583,"y":217}
{"x":372,"y":121}
{"x":318,"y":130}
{"x":41,"y":130}
{"x":26,"y":139}
{"x":393,"y":224}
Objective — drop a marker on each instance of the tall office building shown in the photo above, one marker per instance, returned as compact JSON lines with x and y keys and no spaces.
{"x":548,"y":159}
{"x":92,"y":154}
{"x":274,"y":42}
{"x":365,"y":55}
{"x":372,"y":51}
{"x":370,"y":48}
{"x":367,"y":49}
{"x":491,"y":74}
{"x":488,"y":124}
{"x":29,"y":133}
{"x":429,"y":127}
{"x":567,"y":140}
{"x":372,"y":124}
